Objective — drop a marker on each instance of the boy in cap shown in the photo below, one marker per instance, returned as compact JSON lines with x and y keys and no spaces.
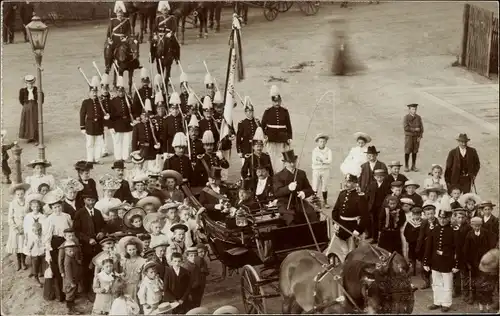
{"x":122,"y":121}
{"x":72,"y":275}
{"x":426,"y":229}
{"x":413,"y":130}
{"x":490,"y":221}
{"x":442,"y":260}
{"x":197,"y":286}
{"x":159,"y":246}
{"x":5,"y":159}
{"x":178,"y":242}
{"x":321,"y":163}
{"x":277,"y":128}
{"x":376,"y":193}
{"x":246,"y":131}
{"x":411,"y":231}
{"x":406,"y":206}
{"x":394,"y":175}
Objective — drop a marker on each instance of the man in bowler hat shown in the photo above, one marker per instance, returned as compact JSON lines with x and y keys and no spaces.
{"x":290,"y":187}
{"x":462,"y":165}
{"x":368,"y":167}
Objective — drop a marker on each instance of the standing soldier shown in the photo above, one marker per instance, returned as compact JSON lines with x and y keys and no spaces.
{"x":26,"y":12}
{"x":92,"y":123}
{"x":209,"y":86}
{"x":145,"y":94}
{"x":121,"y":122}
{"x":173,"y":124}
{"x":249,"y":166}
{"x":160,"y":87}
{"x":160,"y":119}
{"x":207,"y":160}
{"x":105,"y":101}
{"x":195,"y":143}
{"x":118,"y":30}
{"x":277,"y":128}
{"x":246,"y":131}
{"x":186,"y":102}
{"x":180,"y":161}
{"x":9,"y":22}
{"x":207,"y":123}
{"x":144,"y":140}
{"x":414,"y":129}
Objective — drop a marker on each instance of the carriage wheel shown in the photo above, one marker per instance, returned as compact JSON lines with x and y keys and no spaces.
{"x":284,"y":6}
{"x":250,"y":290}
{"x":309,"y":7}
{"x":271,"y":10}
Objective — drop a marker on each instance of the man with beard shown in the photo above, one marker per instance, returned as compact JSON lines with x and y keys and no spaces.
{"x":462,"y":165}
{"x":248,"y":170}
{"x":207,"y":160}
{"x":124,"y":193}
{"x":368,"y":167}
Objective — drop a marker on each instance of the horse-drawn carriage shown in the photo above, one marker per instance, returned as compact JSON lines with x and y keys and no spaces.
{"x":271,"y":9}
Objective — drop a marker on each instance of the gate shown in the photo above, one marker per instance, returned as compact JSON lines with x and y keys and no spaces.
{"x":480,"y":40}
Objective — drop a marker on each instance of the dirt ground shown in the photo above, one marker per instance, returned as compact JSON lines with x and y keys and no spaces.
{"x":404,"y":45}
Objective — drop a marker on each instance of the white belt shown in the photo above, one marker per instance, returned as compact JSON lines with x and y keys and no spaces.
{"x":348,"y":218}
{"x":276,"y":126}
{"x":118,"y":34}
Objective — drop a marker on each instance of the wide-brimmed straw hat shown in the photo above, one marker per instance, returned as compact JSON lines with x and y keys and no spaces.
{"x":489,"y":262}
{"x":149,"y":219}
{"x":160,"y":241}
{"x":110,"y":182}
{"x":100,"y":257}
{"x":149,"y":264}
{"x":34,"y":197}
{"x":172,"y":174}
{"x":136,"y":157}
{"x":411,"y":182}
{"x":362,"y":135}
{"x":164,"y":308}
{"x":19,"y":186}
{"x":486,"y":203}
{"x":71,"y":184}
{"x":321,"y":135}
{"x":53,"y":196}
{"x":122,"y":243}
{"x":469,"y":196}
{"x":45,"y":163}
{"x":436,"y":187}
{"x":198,"y":311}
{"x":29,"y":79}
{"x":149,"y":200}
{"x":227,"y":309}
{"x":136,"y":211}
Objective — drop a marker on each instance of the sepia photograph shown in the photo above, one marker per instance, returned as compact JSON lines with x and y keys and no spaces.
{"x":249,"y":157}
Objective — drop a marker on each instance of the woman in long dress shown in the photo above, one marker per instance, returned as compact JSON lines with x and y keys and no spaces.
{"x":28,"y":98}
{"x":39,"y":175}
{"x":357,"y":156}
{"x":17,"y":211}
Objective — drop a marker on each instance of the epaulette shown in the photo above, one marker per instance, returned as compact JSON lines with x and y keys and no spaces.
{"x":248,"y":155}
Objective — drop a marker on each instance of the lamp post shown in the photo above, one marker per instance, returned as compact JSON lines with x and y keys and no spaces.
{"x":37,"y":34}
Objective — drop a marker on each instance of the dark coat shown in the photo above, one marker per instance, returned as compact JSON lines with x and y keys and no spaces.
{"x":366,"y":175}
{"x":123,"y":193}
{"x":203,"y":165}
{"x":376,"y":195}
{"x":171,"y":126}
{"x":248,"y":169}
{"x":225,"y":143}
{"x":106,"y":104}
{"x":410,"y":123}
{"x":68,"y":209}
{"x":350,"y":203}
{"x":145,"y":93}
{"x":121,"y":27}
{"x":390,"y":235}
{"x":90,"y":186}
{"x":9,"y":14}
{"x":181,"y":164}
{"x":426,"y":229}
{"x":92,"y":117}
{"x":115,"y":226}
{"x":390,"y":179}
{"x":72,"y":271}
{"x":176,"y":287}
{"x":23,"y":94}
{"x":277,"y":116}
{"x":244,"y":135}
{"x":196,"y":147}
{"x":194,"y":273}
{"x":441,"y":250}
{"x":26,"y":11}
{"x":415,"y":197}
{"x":119,"y":113}
{"x":209,"y":201}
{"x":460,"y":234}
{"x":476,"y":246}
{"x":452,"y":170}
{"x":143,"y":140}
{"x":492,"y":225}
{"x":208,"y":125}
{"x":161,"y":265}
{"x":87,"y":227}
{"x":267,"y":194}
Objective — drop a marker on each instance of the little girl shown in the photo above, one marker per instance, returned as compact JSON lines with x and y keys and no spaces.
{"x":109,"y":185}
{"x":103,"y":284}
{"x":470,"y":202}
{"x":39,"y":176}
{"x":133,"y":221}
{"x":36,"y":251}
{"x":35,"y":215}
{"x":436,"y":177}
{"x":151,"y":289}
{"x":153,"y":226}
{"x":123,"y":304}
{"x":186,"y":217}
{"x":17,"y":211}
{"x":131,"y":248}
{"x":139,"y":186}
{"x":433,"y":194}
{"x":138,"y":166}
{"x":169,"y":212}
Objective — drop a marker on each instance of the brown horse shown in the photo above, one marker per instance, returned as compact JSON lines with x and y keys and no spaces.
{"x":126,"y":57}
{"x":165,"y":52}
{"x":373,"y":280}
{"x":184,"y":9}
{"x":146,"y":11}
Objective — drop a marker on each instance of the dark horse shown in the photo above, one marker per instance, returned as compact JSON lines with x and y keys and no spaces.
{"x":184,"y":9}
{"x":126,"y":57}
{"x":146,"y":10}
{"x":374,"y":280}
{"x":165,"y":51}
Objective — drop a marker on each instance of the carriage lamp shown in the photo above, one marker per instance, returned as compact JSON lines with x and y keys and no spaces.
{"x":241,"y":218}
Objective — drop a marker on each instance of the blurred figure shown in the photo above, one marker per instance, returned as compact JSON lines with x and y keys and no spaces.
{"x":26,"y":12}
{"x":343,"y":62}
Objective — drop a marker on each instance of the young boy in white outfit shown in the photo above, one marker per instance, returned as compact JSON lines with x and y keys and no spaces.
{"x":321,"y":161}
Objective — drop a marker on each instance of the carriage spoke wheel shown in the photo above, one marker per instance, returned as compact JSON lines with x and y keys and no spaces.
{"x":284,"y":6}
{"x":309,"y":7}
{"x":271,"y":10}
{"x":250,"y":290}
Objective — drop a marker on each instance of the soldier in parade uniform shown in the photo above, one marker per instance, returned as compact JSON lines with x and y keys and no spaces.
{"x":159,"y":120}
{"x":144,"y":140}
{"x":105,"y":98}
{"x":165,"y":22}
{"x":277,"y":128}
{"x":122,"y":122}
{"x":145,"y":94}
{"x":246,"y":131}
{"x":225,"y":144}
{"x":92,"y":123}
{"x":350,"y":211}
{"x":195,"y":144}
{"x":159,"y":88}
{"x":207,"y":123}
{"x":263,"y":188}
{"x":207,"y":160}
{"x":290,"y":186}
{"x":173,"y":124}
{"x":209,"y":86}
{"x":248,"y":170}
{"x":180,"y":162}
{"x":118,"y":30}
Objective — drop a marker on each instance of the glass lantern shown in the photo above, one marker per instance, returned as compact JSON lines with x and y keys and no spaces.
{"x":241,"y":218}
{"x":37,"y":32}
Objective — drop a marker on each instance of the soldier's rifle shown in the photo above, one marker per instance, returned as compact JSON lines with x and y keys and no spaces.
{"x":183,"y":120}
{"x":157,"y":144}
{"x":132,"y":119}
{"x":106,"y":114}
{"x":163,"y":80}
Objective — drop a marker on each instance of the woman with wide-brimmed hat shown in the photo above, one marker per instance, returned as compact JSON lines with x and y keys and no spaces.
{"x":133,"y":221}
{"x":17,"y":211}
{"x":357,"y":155}
{"x":109,"y":185}
{"x":28,"y":97}
{"x":39,"y":176}
{"x":173,"y":180}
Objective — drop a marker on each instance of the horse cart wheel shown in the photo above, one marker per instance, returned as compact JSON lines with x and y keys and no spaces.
{"x":271,"y":10}
{"x":309,"y":7}
{"x":284,"y":6}
{"x":252,"y":294}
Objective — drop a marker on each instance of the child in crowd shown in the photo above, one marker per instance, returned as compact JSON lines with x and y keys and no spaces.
{"x":487,"y":282}
{"x":186,"y":217}
{"x":36,"y":250}
{"x":172,"y":180}
{"x":15,"y":219}
{"x":202,"y":262}
{"x":434,"y":194}
{"x":43,"y":188}
{"x":411,"y":231}
{"x":394,"y":172}
{"x":70,"y":238}
{"x":410,"y":187}
{"x":108,"y":252}
{"x":139,"y":185}
{"x":131,"y":247}
{"x":123,"y":304}
{"x":426,"y":229}
{"x":391,"y":219}
{"x":490,"y":221}
{"x":177,"y":283}
{"x":178,"y":241}
{"x":436,"y":177}
{"x":133,"y":221}
{"x":114,"y":223}
{"x":72,"y":275}
{"x":406,"y":205}
{"x":197,"y":288}
{"x":461,"y":281}
{"x":5,"y":159}
{"x":102,"y":286}
{"x":146,"y":241}
{"x":455,"y":194}
{"x":159,"y":246}
{"x":34,"y":215}
{"x":152,"y":224}
{"x":470,"y":203}
{"x":397,"y":188}
{"x":321,"y":164}
{"x":149,"y":204}
{"x":170,"y":214}
{"x":151,"y":289}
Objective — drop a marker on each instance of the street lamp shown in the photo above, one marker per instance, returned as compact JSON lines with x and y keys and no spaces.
{"x":37,"y":33}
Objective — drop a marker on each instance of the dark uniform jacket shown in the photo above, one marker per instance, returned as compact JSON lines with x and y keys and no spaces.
{"x":120,"y":115}
{"x":172,"y":125}
{"x":196,"y":147}
{"x":176,"y":287}
{"x":415,"y":197}
{"x":68,"y":209}
{"x":410,"y":123}
{"x":426,"y":228}
{"x":194,"y":272}
{"x":209,"y":125}
{"x":105,"y":101}
{"x":23,"y":95}
{"x":453,"y":167}
{"x":248,"y":169}
{"x":225,"y":143}
{"x":476,"y":246}
{"x":441,"y":250}
{"x":118,"y":28}
{"x":209,"y":198}
{"x":145,"y":93}
{"x":276,"y":124}
{"x":492,"y":226}
{"x":159,"y":124}
{"x":124,"y":193}
{"x":181,"y":164}
{"x":114,"y":226}
{"x":87,"y":227}
{"x":267,"y":194}
{"x":203,"y":165}
{"x":90,"y":186}
{"x":460,"y":234}
{"x":411,"y":232}
{"x":376,"y":195}
{"x":165,"y":23}
{"x":351,"y":204}
{"x":244,"y":135}
{"x":143,"y":140}
{"x":366,"y":175}
{"x":92,"y":117}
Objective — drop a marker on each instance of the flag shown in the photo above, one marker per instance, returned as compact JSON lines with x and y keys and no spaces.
{"x":229,"y":99}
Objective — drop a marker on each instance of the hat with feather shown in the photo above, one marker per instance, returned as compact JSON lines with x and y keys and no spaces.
{"x":109,"y":182}
{"x":183,"y":78}
{"x":179,"y":140}
{"x":193,"y":122}
{"x":208,"y":137}
{"x":258,"y":136}
{"x":248,"y":104}
{"x":71,"y":184}
{"x":218,"y":98}
{"x":105,"y":79}
{"x":119,"y":7}
{"x":274,"y":93}
{"x":207,"y":103}
{"x":119,"y":83}
{"x":95,"y":83}
{"x":191,"y":101}
{"x":144,"y":75}
{"x":159,"y":98}
{"x":175,"y":99}
{"x":208,"y":80}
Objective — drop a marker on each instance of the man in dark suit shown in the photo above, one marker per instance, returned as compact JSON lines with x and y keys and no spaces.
{"x":89,"y":227}
{"x":245,"y":197}
{"x":180,"y":162}
{"x":124,"y":193}
{"x":462,"y":165}
{"x":89,"y":185}
{"x":208,"y":160}
{"x":69,"y":203}
{"x":263,"y":188}
{"x":291,"y":184}
{"x":376,"y":193}
{"x":368,"y":167}
{"x":214,"y":197}
{"x":26,"y":12}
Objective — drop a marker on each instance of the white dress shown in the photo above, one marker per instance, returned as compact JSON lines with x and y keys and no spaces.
{"x":35,"y":181}
{"x":352,"y":163}
{"x":104,"y":204}
{"x":15,"y":241}
{"x":29,"y":220}
{"x":124,"y":306}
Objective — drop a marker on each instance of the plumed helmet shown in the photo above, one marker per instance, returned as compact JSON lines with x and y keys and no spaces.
{"x":184,"y":77}
{"x":95,"y":82}
{"x":159,"y":97}
{"x":208,"y":79}
{"x":193,"y":122}
{"x":162,"y":5}
{"x":119,"y":82}
{"x":248,"y":104}
{"x":208,"y":137}
{"x":218,"y":97}
{"x":119,"y":6}
{"x":158,"y":80}
{"x":259,"y":134}
{"x":147,"y":105}
{"x":174,"y":98}
{"x":179,"y":140}
{"x":207,"y":103}
{"x":144,"y":73}
{"x":105,"y":79}
{"x":274,"y":92}
{"x":191,"y":99}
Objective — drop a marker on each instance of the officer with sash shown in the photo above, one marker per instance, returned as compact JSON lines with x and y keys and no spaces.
{"x":118,"y":30}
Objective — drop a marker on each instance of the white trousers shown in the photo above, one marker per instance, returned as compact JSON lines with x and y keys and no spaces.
{"x":320,"y":180}
{"x":94,"y":144}
{"x":242,"y":161}
{"x":107,"y":136}
{"x":225,"y":172}
{"x":274,"y":150}
{"x":442,"y":288}
{"x":122,"y":144}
